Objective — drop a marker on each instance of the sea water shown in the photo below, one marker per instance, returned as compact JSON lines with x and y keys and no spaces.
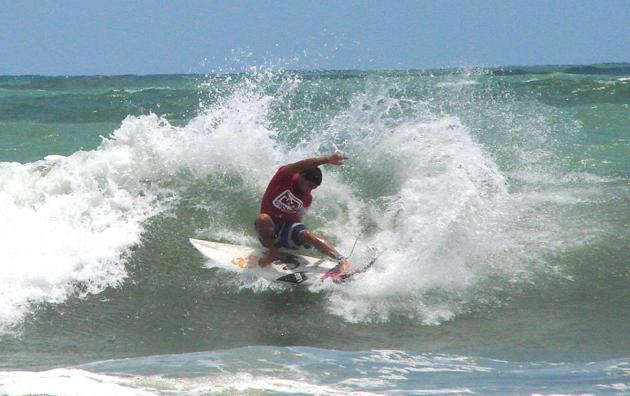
{"x":497,"y":201}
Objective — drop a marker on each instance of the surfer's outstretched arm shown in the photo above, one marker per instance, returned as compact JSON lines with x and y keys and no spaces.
{"x":333,"y":159}
{"x":324,"y":246}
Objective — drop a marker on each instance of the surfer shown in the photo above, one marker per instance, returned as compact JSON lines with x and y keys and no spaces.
{"x":286,"y":199}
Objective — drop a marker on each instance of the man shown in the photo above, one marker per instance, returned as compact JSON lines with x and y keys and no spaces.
{"x":285,"y":201}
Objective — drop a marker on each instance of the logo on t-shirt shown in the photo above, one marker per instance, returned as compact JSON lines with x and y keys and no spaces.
{"x":287,"y":202}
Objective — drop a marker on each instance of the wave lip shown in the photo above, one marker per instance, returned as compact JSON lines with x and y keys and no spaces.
{"x":68,"y":223}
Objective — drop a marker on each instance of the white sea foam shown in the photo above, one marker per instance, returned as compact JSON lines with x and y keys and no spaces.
{"x":439,"y":196}
{"x":70,"y":221}
{"x":438,"y":209}
{"x":70,"y":382}
{"x":67,"y":220}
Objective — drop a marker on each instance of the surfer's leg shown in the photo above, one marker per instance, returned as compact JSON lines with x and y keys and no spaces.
{"x":324,"y":246}
{"x":265,"y":228}
{"x":320,"y":243}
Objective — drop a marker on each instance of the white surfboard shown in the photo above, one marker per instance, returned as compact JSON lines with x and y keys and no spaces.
{"x":290,"y":268}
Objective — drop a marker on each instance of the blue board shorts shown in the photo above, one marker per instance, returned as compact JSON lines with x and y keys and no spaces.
{"x":287,"y":235}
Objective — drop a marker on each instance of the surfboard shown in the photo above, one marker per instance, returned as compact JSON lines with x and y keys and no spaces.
{"x":288,"y":268}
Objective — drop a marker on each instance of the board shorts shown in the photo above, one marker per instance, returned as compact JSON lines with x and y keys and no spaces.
{"x":287,"y":235}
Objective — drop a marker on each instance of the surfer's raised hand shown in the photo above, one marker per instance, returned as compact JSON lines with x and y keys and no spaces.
{"x":336,"y":158}
{"x":300,"y":166}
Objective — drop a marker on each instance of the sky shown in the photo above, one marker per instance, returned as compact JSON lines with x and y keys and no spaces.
{"x":202,"y":36}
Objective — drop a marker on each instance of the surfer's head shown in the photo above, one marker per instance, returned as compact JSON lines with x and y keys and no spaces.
{"x":309,"y":179}
{"x":313,"y":174}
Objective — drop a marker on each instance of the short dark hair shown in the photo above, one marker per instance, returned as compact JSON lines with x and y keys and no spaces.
{"x":313,"y":174}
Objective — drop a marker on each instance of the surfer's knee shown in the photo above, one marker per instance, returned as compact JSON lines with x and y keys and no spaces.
{"x":264,"y":227}
{"x":264,"y":220}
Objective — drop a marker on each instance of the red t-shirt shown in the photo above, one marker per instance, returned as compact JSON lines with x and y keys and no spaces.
{"x":282,"y":201}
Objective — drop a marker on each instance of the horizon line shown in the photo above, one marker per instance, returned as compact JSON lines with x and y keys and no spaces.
{"x":302,"y":70}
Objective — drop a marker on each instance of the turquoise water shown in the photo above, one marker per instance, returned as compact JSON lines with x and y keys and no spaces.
{"x":498,"y":200}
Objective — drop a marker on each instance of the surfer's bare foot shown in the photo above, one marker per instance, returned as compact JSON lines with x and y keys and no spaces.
{"x":268,"y":258}
{"x":345,"y":268}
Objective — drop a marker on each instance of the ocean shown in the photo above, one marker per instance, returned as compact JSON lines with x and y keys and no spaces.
{"x":498,"y":200}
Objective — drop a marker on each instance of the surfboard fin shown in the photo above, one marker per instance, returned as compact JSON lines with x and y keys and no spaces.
{"x":296,"y":278}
